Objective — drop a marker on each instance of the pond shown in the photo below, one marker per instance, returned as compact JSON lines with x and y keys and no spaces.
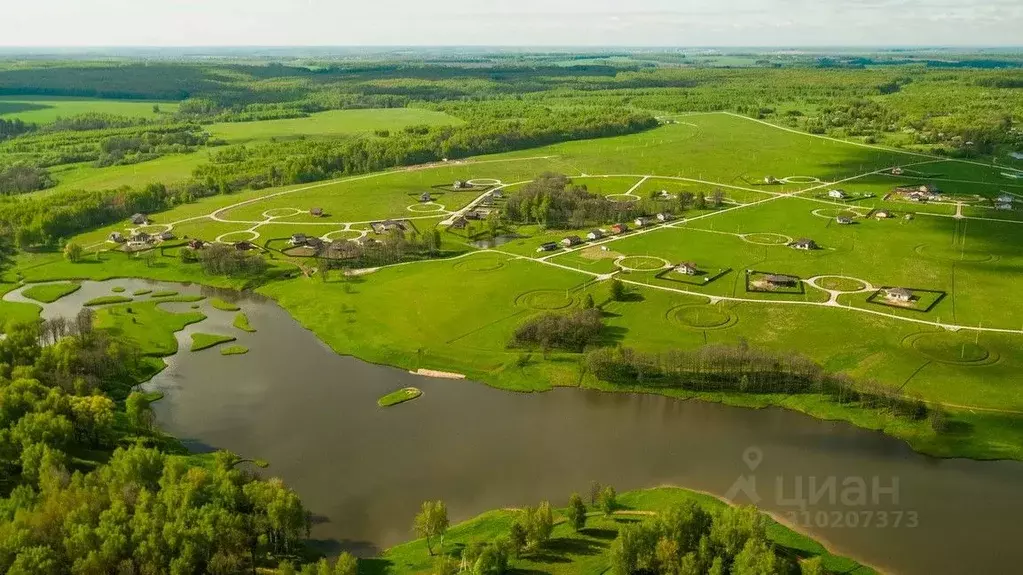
{"x":364,"y":470}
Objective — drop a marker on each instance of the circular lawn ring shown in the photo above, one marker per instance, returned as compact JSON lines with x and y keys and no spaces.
{"x":642,"y":263}
{"x":950,"y":254}
{"x":479,"y":264}
{"x":483,"y":182}
{"x":154,"y":229}
{"x":766,"y":239}
{"x":948,"y":347}
{"x":281,"y":213}
{"x":343,"y":235}
{"x":701,"y":317}
{"x":242,"y":235}
{"x":801,"y":180}
{"x":545,"y":300}
{"x":840,"y":283}
{"x":426,"y":207}
{"x":625,"y":198}
{"x":832,"y":213}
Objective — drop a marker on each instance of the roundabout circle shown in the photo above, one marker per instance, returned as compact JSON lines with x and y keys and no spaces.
{"x":434,"y":207}
{"x":841,"y":284}
{"x":251,"y":235}
{"x":274,"y":213}
{"x":628,"y":198}
{"x":948,"y":347}
{"x":483,"y":264}
{"x":483,"y":182}
{"x":801,"y":180}
{"x":954,"y":255}
{"x":766,"y":239}
{"x":832,"y":213}
{"x":701,"y":317}
{"x":344,"y":235}
{"x":641,"y":263}
{"x":545,"y":300}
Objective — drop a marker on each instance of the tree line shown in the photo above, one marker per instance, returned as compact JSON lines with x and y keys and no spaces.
{"x":88,"y":486}
{"x":742,"y":369}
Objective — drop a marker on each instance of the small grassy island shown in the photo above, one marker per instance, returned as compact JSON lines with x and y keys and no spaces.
{"x":49,"y":293}
{"x":201,"y":341}
{"x":223,"y":305}
{"x":107,"y":300}
{"x":241,"y":321}
{"x":400,"y":396}
{"x":234,"y":350}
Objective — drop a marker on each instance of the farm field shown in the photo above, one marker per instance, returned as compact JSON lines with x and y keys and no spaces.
{"x":330,"y":123}
{"x":956,"y":341}
{"x":46,"y":109}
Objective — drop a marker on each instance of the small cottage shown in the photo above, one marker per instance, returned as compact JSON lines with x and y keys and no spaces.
{"x":641,"y":221}
{"x":595,"y":234}
{"x":459,"y":223}
{"x":243,"y":246}
{"x":547,"y":247}
{"x":842,"y":220}
{"x":317,"y":212}
{"x":167,"y":235}
{"x":664,"y":217}
{"x":804,"y":244}
{"x":298,"y":239}
{"x":687,"y":268}
{"x":425,"y":197}
{"x":896,"y":171}
{"x":571,"y":241}
{"x":837,"y":194}
{"x":140,"y":219}
{"x":882,"y":214}
{"x":619,"y":229}
{"x":780,"y":280}
{"x":116,"y":237}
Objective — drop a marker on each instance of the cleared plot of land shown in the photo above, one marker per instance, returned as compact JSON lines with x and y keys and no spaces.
{"x":331,"y":123}
{"x":166,"y":169}
{"x":46,"y":109}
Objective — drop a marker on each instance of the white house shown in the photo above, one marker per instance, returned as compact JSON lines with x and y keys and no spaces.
{"x":641,"y":221}
{"x":898,"y":294}
{"x":1004,"y":199}
{"x":843,"y":220}
{"x":1016,"y":155}
{"x":664,"y":217}
{"x":1003,"y":206}
{"x":595,"y":234}
{"x":687,"y":268}
{"x":837,"y":194}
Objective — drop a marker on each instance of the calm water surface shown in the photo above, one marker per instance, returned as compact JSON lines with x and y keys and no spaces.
{"x":364,"y":470}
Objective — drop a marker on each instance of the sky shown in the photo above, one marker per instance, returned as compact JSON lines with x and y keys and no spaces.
{"x":511,"y":22}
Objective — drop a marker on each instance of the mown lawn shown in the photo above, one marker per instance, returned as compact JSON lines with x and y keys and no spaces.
{"x":49,"y":293}
{"x":145,"y":324}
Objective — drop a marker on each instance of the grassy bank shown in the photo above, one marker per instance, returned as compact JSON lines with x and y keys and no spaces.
{"x":201,"y":341}
{"x":586,"y":552}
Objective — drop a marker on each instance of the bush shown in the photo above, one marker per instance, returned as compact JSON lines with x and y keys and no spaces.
{"x":571,"y":331}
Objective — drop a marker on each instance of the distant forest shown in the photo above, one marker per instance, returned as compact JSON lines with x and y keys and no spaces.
{"x":963,"y":106}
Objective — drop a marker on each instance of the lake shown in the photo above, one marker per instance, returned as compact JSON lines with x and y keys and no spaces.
{"x":364,"y":470}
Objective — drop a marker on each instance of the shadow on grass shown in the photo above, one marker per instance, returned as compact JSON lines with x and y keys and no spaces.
{"x":572,"y":546}
{"x":598,"y":533}
{"x":374,"y":566}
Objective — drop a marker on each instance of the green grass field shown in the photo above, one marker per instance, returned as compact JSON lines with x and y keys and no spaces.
{"x":330,"y":124}
{"x":46,"y":109}
{"x":465,"y":310}
{"x":145,"y":324}
{"x":586,"y":552}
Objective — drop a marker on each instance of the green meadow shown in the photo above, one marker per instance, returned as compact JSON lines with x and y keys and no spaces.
{"x":959,"y":345}
{"x":46,"y":109}
{"x":330,"y":124}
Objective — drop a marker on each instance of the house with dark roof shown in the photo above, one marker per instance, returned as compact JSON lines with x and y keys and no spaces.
{"x":780,"y":280}
{"x":837,"y":194}
{"x":804,"y":244}
{"x":547,"y":247}
{"x":318,"y":212}
{"x":141,"y":237}
{"x":665,"y":217}
{"x":116,"y":237}
{"x":571,"y":241}
{"x":298,"y":239}
{"x":595,"y":234}
{"x":619,"y":229}
{"x":642,"y":221}
{"x":882,"y":214}
{"x":844,"y":220}
{"x":139,"y":219}
{"x":167,"y":235}
{"x":687,"y":268}
{"x":386,"y":226}
{"x":196,"y":244}
{"x":243,"y":246}
{"x":459,"y":223}
{"x":425,"y":197}
{"x":314,"y":242}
